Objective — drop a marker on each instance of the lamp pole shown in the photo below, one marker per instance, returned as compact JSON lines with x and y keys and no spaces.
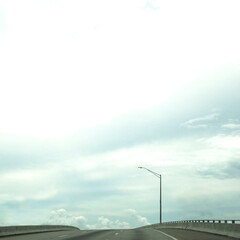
{"x":160,"y":184}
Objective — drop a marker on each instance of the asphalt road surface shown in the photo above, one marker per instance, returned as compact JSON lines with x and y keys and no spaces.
{"x":127,"y":234}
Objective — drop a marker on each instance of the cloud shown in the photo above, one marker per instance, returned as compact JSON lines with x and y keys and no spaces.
{"x":201,"y":122}
{"x":233,"y":124}
{"x":105,"y":223}
{"x":93,"y":51}
{"x":140,"y":220}
{"x":151,"y":4}
{"x":228,"y":170}
{"x":225,"y":141}
{"x":62,"y":217}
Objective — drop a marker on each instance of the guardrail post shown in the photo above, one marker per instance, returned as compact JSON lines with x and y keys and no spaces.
{"x":233,"y":221}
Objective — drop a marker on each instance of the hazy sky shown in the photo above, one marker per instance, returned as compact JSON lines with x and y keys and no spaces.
{"x":91,"y":89}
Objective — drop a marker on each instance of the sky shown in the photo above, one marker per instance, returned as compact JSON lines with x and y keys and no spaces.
{"x":90,"y":90}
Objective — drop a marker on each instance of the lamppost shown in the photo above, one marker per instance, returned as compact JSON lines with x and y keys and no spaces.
{"x":160,"y":182}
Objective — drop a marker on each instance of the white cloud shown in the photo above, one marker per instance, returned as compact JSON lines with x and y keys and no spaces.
{"x":201,"y":122}
{"x":135,"y":219}
{"x":231,"y":126}
{"x":142,"y":221}
{"x":105,"y":223}
{"x":76,"y":79}
{"x":62,"y":217}
{"x":152,"y":4}
{"x":60,"y":85}
{"x":227,"y":142}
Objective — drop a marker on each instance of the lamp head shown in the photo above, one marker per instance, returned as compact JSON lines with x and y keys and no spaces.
{"x":140,"y":167}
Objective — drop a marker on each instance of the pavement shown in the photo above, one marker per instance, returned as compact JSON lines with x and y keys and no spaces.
{"x":121,"y":234}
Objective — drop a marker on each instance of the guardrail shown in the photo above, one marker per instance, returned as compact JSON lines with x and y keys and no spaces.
{"x":206,"y":221}
{"x":228,"y":227}
{"x":27,"y":229}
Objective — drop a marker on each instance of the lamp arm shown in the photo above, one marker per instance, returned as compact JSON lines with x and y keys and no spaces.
{"x":154,"y":173}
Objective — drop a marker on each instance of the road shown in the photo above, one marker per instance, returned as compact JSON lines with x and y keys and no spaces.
{"x":126,"y":234}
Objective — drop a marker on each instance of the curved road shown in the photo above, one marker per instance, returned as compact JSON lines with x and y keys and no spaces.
{"x":120,"y":234}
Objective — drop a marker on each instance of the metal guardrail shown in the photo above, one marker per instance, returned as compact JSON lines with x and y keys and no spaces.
{"x":237,"y":221}
{"x":226,"y":227}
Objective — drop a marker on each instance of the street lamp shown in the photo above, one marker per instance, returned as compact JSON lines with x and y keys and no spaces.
{"x":160,"y":182}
